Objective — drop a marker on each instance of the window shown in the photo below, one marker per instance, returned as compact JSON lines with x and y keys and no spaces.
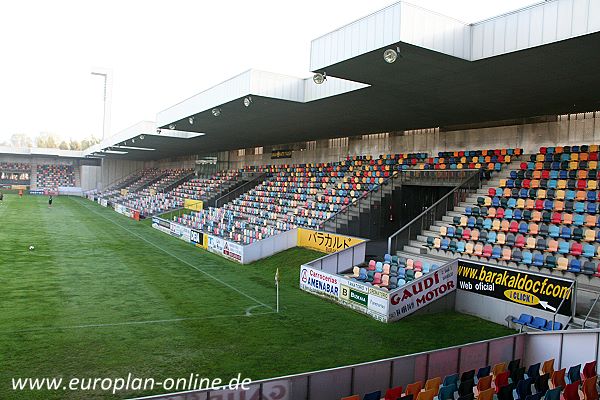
{"x":258,"y":150}
{"x":241,"y":152}
{"x":338,"y":142}
{"x":311,"y":145}
{"x":421,"y":131}
{"x":376,"y":136}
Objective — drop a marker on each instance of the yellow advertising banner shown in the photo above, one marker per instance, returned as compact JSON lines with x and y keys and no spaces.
{"x":195,"y":205}
{"x":324,"y":241}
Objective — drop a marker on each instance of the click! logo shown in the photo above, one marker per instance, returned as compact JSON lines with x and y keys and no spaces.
{"x":521,"y":297}
{"x":304,"y":276}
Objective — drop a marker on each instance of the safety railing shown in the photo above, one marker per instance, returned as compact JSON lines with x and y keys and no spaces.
{"x":434,"y":213}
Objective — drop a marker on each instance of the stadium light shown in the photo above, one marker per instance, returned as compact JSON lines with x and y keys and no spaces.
{"x":134,"y":148}
{"x":142,"y":137}
{"x":191,"y":120}
{"x":172,"y":126}
{"x":216,"y":111}
{"x":247,"y":101}
{"x":319,"y":78}
{"x":114,"y":152}
{"x":390,"y":55}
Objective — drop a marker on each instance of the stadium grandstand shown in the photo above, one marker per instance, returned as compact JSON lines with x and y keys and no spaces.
{"x":427,"y":203}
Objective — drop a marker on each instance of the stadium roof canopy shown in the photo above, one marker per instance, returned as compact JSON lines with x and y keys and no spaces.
{"x":538,"y":60}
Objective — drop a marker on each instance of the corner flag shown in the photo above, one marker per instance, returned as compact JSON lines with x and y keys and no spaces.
{"x":277,"y":286}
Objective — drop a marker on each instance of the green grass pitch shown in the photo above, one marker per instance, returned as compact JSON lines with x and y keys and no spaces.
{"x":103,"y":296}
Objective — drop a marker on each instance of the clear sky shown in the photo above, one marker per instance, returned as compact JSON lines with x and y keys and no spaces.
{"x":160,"y":52}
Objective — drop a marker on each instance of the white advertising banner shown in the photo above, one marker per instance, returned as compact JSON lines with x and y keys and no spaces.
{"x":422,"y":292}
{"x":353,"y":294}
{"x":227,"y":249}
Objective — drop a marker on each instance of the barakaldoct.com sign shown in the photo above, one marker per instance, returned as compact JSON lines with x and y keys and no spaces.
{"x":422,"y":292}
{"x":517,"y":286}
{"x":349,"y":293}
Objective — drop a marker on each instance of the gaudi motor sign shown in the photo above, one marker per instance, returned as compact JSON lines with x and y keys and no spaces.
{"x":420,"y":293}
{"x":517,"y":286}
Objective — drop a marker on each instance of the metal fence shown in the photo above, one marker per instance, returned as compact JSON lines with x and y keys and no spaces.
{"x":335,"y":383}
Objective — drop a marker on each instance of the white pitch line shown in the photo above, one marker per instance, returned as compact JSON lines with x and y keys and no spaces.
{"x":157,"y":321}
{"x":177,"y":258}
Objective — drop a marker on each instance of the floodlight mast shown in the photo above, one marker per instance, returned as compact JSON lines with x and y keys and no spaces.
{"x":107,"y":99}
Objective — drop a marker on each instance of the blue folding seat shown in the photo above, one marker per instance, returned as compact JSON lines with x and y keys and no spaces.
{"x":526,"y":215}
{"x":450,"y":231}
{"x":562,"y":174}
{"x":496,"y":252}
{"x":379,"y":266}
{"x":445,"y":243}
{"x":575,"y":266}
{"x":570,"y":195}
{"x":513,"y":174}
{"x":555,"y":166}
{"x":401,"y":273}
{"x":499,"y":192}
{"x":549,"y":205}
{"x":362,"y":274}
{"x":591,"y":195}
{"x":487,"y":224}
{"x":469,"y":210}
{"x":475,"y":211}
{"x":579,"y":207}
{"x":591,"y":208}
{"x":524,"y":193}
{"x":508,"y":214}
{"x":523,"y":227}
{"x":554,"y":231}
{"x":495,"y":201}
{"x":565,"y":232}
{"x":538,"y":260}
{"x":552,"y":183}
{"x":491,"y":238}
{"x":563,"y":247}
{"x":512,"y":202}
{"x":471,"y":222}
{"x":538,"y":323}
{"x":578,"y":219}
{"x":387,"y":258}
{"x":589,"y":250}
{"x":527,"y":257}
{"x":460,"y":247}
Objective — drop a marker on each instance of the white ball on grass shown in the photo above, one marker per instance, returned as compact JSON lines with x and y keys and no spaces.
{"x":31,"y":247}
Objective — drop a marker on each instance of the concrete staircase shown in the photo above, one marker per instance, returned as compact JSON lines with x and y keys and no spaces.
{"x":33,"y":176}
{"x":418,"y":246}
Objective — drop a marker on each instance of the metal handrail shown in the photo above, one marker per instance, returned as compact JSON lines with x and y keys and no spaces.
{"x":472,"y":179}
{"x":560,"y":305}
{"x":241,"y":189}
{"x":587,"y":316}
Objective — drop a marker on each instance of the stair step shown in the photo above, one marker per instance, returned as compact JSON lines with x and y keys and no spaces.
{"x":415,"y":250}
